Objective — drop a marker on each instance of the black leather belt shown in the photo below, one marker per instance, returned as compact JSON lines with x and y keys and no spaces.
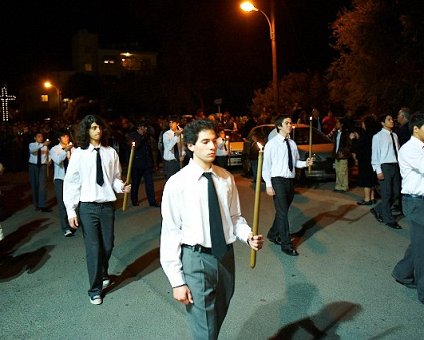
{"x":201,"y":249}
{"x":420,"y":197}
{"x":99,"y":204}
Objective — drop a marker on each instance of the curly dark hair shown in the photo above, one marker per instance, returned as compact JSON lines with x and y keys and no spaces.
{"x":192,"y":129}
{"x":83,"y":134}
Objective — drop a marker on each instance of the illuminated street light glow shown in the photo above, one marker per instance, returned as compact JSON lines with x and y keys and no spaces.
{"x":247,"y":6}
{"x":47,"y":84}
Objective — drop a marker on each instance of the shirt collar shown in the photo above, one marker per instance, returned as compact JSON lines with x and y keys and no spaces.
{"x":198,"y":170}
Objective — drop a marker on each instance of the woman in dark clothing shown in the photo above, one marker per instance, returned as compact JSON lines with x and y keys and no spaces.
{"x":362,"y":149}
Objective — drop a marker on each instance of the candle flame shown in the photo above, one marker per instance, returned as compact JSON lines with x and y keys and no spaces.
{"x":260,"y":146}
{"x":70,"y":143}
{"x":133,"y":143}
{"x":310,"y":118}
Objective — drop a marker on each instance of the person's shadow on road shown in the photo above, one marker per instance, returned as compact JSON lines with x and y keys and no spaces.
{"x":141,"y":267}
{"x":12,"y":266}
{"x":322,"y":325}
{"x":320,"y":221}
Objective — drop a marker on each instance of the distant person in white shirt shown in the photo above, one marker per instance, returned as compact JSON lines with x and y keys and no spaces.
{"x":384,"y":160}
{"x":223,"y":150}
{"x":173,"y":153}
{"x":281,"y":157}
{"x":410,"y":270}
{"x":90,"y":199}
{"x":37,"y":163}
{"x":202,"y":281}
{"x":60,"y":155}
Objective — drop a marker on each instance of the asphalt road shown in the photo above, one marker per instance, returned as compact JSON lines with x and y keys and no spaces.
{"x":339,"y":287}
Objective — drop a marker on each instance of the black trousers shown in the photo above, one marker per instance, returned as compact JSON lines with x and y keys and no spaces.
{"x":390,"y":191}
{"x":97,"y":221}
{"x":284,"y":194}
{"x":139,"y":171}
{"x":411,"y":268}
{"x":170,"y":168}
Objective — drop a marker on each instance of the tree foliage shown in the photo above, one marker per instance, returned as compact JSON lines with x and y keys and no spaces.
{"x":307,"y":89}
{"x":381,"y":55}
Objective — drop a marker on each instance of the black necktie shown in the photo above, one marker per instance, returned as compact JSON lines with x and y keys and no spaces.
{"x":219,"y":246}
{"x":66,"y":162}
{"x":99,"y":175}
{"x":394,"y":145}
{"x":176,"y":152}
{"x":289,"y":154}
{"x":39,"y":157}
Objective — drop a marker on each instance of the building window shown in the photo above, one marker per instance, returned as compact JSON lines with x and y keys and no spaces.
{"x":88,"y":67}
{"x":44,"y":98}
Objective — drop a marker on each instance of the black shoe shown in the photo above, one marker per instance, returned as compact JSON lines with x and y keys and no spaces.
{"x":338,"y":190}
{"x":376,"y":215}
{"x":135,"y":204}
{"x":46,"y":210}
{"x":156,"y":205}
{"x":363,"y":202}
{"x":374,"y":201}
{"x":406,"y":284}
{"x":393,"y":225}
{"x":290,"y":251}
{"x":276,"y":240}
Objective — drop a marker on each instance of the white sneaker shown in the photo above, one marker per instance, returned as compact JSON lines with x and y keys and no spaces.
{"x":68,"y":233}
{"x":106,"y":283}
{"x":96,"y":300}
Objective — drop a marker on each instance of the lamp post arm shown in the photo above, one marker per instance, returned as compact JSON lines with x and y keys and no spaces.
{"x":271,"y":28}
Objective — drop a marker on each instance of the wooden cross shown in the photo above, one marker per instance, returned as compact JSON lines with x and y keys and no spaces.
{"x":5,"y":98}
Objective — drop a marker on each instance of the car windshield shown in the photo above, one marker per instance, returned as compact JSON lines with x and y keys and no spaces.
{"x":301,"y":136}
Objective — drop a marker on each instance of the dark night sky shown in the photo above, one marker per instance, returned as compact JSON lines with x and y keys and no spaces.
{"x":233,"y":46}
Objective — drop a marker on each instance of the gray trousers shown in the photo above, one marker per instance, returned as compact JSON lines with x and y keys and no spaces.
{"x":97,"y":221}
{"x":211,"y":283}
{"x":37,"y":179}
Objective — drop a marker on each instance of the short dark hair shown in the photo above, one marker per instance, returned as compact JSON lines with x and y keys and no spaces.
{"x":142,"y":123}
{"x":417,"y":119}
{"x":192,"y":129}
{"x":279,"y":120}
{"x":382,"y":117}
{"x":174,"y":118}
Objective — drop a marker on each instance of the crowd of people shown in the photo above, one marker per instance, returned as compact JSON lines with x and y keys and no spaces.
{"x":87,"y":162}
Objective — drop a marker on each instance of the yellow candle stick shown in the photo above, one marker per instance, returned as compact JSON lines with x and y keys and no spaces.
{"x":310,"y":142}
{"x":257,"y":202}
{"x":128,"y":180}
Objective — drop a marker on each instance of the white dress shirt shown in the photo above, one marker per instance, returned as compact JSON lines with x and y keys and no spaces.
{"x":58,"y":155}
{"x":411,"y":162}
{"x":169,"y":140}
{"x":33,"y":153}
{"x":80,"y":180}
{"x":185,"y":215}
{"x":276,"y":161}
{"x":382,"y":149}
{"x":223,"y":147}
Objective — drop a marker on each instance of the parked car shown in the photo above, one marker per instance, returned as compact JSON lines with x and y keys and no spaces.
{"x":322,"y":150}
{"x":236,"y":148}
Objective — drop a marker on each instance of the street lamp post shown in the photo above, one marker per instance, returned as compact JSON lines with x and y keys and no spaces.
{"x":247,"y":6}
{"x":47,"y":85}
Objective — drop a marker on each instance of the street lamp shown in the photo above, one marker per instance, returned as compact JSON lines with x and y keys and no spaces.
{"x":247,"y":6}
{"x":48,"y":85}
